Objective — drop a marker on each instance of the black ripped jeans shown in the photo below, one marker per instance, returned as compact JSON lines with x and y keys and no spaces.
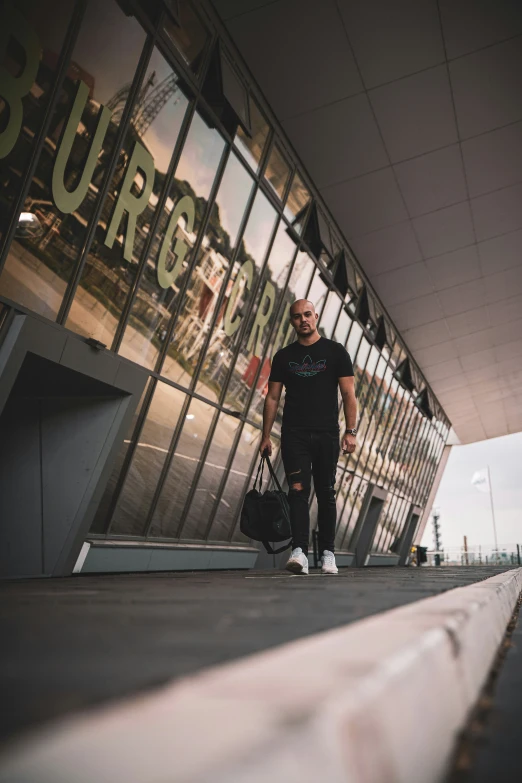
{"x":308,"y":453}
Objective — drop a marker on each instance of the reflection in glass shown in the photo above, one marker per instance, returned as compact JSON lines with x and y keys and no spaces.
{"x":329,"y":315}
{"x":196,"y":523}
{"x":259,"y":323}
{"x":318,"y":292}
{"x":37,"y":56}
{"x":277,"y":172}
{"x":74,"y":159}
{"x":243,"y":280}
{"x":252,"y":147}
{"x":101,"y":519}
{"x":130,"y":205}
{"x":211,"y":270}
{"x":185,"y":30}
{"x":169,"y":509}
{"x":297,"y":203}
{"x":147,"y":463}
{"x":190,"y":188}
{"x":342,"y":328}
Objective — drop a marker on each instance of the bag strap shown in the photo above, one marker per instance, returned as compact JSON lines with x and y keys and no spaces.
{"x":277,"y":551}
{"x":272,"y":473}
{"x":259,"y":478}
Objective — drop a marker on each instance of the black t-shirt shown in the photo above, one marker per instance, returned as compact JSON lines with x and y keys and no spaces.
{"x":310,"y":374}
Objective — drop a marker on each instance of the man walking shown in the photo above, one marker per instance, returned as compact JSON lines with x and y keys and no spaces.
{"x":311,"y":369}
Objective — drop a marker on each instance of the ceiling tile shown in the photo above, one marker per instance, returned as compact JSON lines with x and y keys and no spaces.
{"x":493,"y":160}
{"x":456,"y":381}
{"x":501,"y":253}
{"x":495,"y":428}
{"x":230,"y":8}
{"x":445,"y":230}
{"x":463,"y":297}
{"x":367,"y":203}
{"x":455,"y":396}
{"x":486,"y":88}
{"x":472,"y":24}
{"x":435,"y":354}
{"x":426,"y":335}
{"x":403,"y":284}
{"x":498,"y":212}
{"x":472,"y":361}
{"x":469,"y":322}
{"x":391,"y":40}
{"x":338,"y":141}
{"x":503,"y":285}
{"x":432,"y":181}
{"x":443,"y":370}
{"x":454,"y":268}
{"x":300,"y":76}
{"x":389,"y":248}
{"x":474,"y":342}
{"x":505,"y":310}
{"x":507,"y":350}
{"x":415,"y":312}
{"x":415,"y":114}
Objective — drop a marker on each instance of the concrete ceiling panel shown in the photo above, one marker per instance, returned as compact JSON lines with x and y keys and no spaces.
{"x":501,"y":253}
{"x":402,"y":285}
{"x":445,"y":230}
{"x":469,"y":322}
{"x":415,"y":114}
{"x":339,"y":141}
{"x":387,"y":249}
{"x":435,"y":354}
{"x":415,"y":312}
{"x":460,"y":266}
{"x":428,"y":334}
{"x":473,"y":361}
{"x":464,"y":297}
{"x":469,"y":25}
{"x":493,"y":160}
{"x":497,"y":213}
{"x":392,"y":40}
{"x":432,"y":181}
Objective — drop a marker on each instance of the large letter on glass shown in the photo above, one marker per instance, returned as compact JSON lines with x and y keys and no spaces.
{"x":68,"y":201}
{"x":134,"y":205}
{"x":13,"y":89}
{"x":245,"y":276}
{"x":262,"y":318}
{"x":166,"y":277}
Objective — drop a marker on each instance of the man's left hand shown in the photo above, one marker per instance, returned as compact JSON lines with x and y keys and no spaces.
{"x":349,"y":444}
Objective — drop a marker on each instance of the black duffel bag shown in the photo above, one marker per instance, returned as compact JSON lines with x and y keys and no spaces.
{"x":266,"y":517}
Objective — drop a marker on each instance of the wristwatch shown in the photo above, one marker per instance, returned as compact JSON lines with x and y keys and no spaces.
{"x":351,"y":432}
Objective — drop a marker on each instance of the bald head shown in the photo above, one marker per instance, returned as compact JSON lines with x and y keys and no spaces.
{"x":304,"y":318}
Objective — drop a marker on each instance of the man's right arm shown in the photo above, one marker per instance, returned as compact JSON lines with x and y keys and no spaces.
{"x":272,"y":398}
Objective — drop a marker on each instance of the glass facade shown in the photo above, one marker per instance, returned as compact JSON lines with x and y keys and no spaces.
{"x":143,"y":206}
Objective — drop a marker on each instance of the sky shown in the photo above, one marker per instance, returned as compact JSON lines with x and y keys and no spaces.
{"x":466,"y":511}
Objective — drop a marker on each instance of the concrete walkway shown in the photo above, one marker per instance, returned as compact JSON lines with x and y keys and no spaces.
{"x":72,"y":643}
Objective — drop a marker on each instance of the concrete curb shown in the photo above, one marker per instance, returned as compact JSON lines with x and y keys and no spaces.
{"x":378,"y":701}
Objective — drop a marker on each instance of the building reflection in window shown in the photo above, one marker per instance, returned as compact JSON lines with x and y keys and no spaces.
{"x":330,"y":314}
{"x":252,"y":147}
{"x":130,"y":205}
{"x":186,"y":31}
{"x":210,"y":271}
{"x":253,"y":344}
{"x":176,"y":487}
{"x":229,"y":328}
{"x":297,"y":203}
{"x":206,"y":492}
{"x":147,"y":463}
{"x":277,"y":172}
{"x":76,"y":153}
{"x":318,"y":292}
{"x":155,"y":303}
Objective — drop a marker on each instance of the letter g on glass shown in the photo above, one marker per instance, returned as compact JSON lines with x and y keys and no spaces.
{"x":166,"y":277}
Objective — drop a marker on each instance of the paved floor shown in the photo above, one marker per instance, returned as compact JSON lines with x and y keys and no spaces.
{"x":70,"y":643}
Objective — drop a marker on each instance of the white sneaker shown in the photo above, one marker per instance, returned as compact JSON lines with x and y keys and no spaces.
{"x":329,"y":566}
{"x":298,"y":562}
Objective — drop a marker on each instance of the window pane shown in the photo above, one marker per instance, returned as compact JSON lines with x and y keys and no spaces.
{"x":283,"y":333}
{"x":122,"y":232}
{"x":243,"y":280}
{"x":167,"y":514}
{"x":101,"y":519}
{"x":260,"y":321}
{"x":155,"y":303}
{"x":252,"y":147}
{"x":104,"y":60}
{"x":212,"y":265}
{"x":146,"y":466}
{"x":329,"y":316}
{"x":47,"y":21}
{"x":186,"y":32}
{"x":342,"y":328}
{"x":205,"y":495}
{"x":318,"y":292}
{"x":297,"y":203}
{"x":277,"y":172}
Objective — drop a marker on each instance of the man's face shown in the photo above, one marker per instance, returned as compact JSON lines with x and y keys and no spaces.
{"x":303,"y":318}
